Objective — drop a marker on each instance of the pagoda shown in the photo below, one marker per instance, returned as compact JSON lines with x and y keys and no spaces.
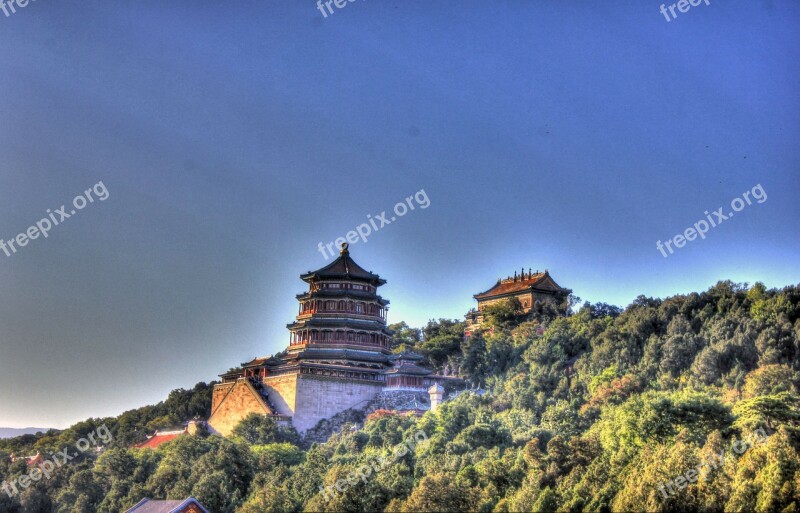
{"x":338,"y":356}
{"x":341,"y":311}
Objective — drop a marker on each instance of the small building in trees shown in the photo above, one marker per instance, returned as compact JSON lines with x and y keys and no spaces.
{"x":159,"y":438}
{"x":527,"y":288}
{"x":163,"y":436}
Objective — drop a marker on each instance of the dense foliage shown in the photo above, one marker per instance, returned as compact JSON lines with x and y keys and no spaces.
{"x":600,"y":410}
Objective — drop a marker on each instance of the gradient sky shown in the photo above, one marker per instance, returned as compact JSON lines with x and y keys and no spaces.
{"x":233,"y":137}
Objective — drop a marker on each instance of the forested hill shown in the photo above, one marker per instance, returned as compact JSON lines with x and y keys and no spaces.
{"x":12,"y":432}
{"x":682,"y":404}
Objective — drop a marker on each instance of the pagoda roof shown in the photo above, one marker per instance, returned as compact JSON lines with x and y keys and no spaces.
{"x":231,"y":374}
{"x":339,"y":322}
{"x":343,"y":267}
{"x":348,"y":354}
{"x":414,"y":370}
{"x":258,"y":362}
{"x":355,"y":294}
{"x":539,"y":281}
{"x":407,"y":355}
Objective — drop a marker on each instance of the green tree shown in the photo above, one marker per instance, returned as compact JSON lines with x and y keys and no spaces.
{"x":440,"y":492}
{"x":256,"y":429}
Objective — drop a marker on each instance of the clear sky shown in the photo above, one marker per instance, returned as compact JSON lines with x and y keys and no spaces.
{"x":233,"y":137}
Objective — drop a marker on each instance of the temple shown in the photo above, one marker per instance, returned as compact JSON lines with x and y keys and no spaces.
{"x":526,"y":288}
{"x":338,"y":356}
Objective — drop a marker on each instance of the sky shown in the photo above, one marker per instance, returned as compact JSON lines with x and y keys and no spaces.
{"x":230,"y":139}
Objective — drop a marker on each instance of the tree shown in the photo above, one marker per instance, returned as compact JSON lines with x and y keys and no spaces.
{"x":257,"y":429}
{"x":441,"y":341}
{"x":504,"y":314}
{"x":474,"y":364}
{"x":404,"y":337}
{"x":601,"y":310}
{"x":770,"y":380}
{"x":782,"y":409}
{"x":440,"y":492}
{"x":271,"y":455}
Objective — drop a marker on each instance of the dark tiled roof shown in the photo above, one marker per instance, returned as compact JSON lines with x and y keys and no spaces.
{"x":340,"y":322}
{"x":349,"y":293}
{"x":349,"y":354}
{"x":254,"y":362}
{"x":408,"y":355}
{"x":414,"y":370}
{"x":258,"y":362}
{"x":343,"y":267}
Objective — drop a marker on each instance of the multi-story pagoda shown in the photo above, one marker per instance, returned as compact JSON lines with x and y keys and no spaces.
{"x":338,"y":356}
{"x":341,"y":310}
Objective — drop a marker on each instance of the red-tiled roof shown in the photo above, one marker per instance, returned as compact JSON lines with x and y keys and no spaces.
{"x":156,"y":440}
{"x":511,"y":286}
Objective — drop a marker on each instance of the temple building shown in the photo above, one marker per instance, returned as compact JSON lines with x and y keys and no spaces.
{"x":338,"y":356}
{"x":527,"y":288}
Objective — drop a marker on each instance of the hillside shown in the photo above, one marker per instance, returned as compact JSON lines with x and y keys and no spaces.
{"x":685,"y":403}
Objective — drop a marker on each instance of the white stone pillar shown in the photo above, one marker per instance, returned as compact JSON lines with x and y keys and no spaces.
{"x":437,"y":393}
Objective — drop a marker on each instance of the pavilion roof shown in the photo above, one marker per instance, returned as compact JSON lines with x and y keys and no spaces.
{"x":348,"y":354}
{"x":413,"y":370}
{"x":343,"y":267}
{"x":338,"y":293}
{"x":530,"y":281}
{"x":406,"y":355}
{"x":341,"y":322}
{"x":264,"y":360}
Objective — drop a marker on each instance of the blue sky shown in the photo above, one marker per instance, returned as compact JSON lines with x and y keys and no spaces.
{"x":233,"y":138}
